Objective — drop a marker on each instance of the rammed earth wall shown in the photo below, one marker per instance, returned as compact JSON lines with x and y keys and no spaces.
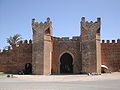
{"x":15,"y":59}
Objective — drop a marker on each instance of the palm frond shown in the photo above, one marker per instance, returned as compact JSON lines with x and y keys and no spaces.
{"x":12,"y":40}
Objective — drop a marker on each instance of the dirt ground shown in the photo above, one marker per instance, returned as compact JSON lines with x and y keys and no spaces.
{"x":67,"y":78}
{"x":61,"y":82}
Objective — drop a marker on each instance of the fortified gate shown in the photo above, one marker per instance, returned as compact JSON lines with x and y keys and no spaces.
{"x":48,"y":54}
{"x":54,"y":55}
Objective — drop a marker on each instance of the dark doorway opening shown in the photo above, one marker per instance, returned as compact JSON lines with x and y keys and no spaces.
{"x":26,"y":70}
{"x":66,"y":66}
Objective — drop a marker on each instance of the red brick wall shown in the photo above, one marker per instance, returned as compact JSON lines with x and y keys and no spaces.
{"x":110,"y":54}
{"x":15,"y":59}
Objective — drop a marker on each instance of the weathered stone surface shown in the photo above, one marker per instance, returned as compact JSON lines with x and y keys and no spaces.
{"x":91,"y":48}
{"x":42,"y":47}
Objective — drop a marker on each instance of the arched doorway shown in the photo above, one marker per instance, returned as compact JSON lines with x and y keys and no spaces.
{"x":66,"y":64}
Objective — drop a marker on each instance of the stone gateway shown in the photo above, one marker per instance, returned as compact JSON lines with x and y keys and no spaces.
{"x":54,"y":55}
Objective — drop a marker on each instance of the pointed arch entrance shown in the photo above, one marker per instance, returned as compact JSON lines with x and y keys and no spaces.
{"x":66,"y":64}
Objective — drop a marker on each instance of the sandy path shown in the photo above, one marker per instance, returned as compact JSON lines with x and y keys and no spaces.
{"x":67,"y":78}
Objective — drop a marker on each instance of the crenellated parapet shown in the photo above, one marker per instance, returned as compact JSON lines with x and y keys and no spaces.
{"x":22,"y":42}
{"x":90,"y":25}
{"x":21,"y":45}
{"x":90,"y":29}
{"x":74,"y":38}
{"x":110,"y":50}
{"x":111,"y":41}
{"x":42,"y":27}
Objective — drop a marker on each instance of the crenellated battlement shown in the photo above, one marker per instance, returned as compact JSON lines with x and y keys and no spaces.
{"x":90,"y":30}
{"x":74,"y":38}
{"x":25,"y":42}
{"x":42,"y":26}
{"x":21,"y":43}
{"x":41,"y":23}
{"x":111,"y":41}
{"x":91,"y":22}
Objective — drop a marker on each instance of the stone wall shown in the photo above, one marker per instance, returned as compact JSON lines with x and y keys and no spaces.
{"x":15,"y":59}
{"x":110,"y":54}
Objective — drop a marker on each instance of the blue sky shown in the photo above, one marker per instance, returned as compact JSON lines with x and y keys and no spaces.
{"x":16,"y":16}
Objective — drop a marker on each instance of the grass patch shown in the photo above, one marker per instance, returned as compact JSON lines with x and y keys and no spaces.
{"x":2,"y":73}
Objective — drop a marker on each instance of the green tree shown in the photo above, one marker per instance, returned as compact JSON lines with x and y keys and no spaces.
{"x":13,"y":40}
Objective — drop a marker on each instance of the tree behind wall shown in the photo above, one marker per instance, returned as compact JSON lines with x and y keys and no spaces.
{"x":13,"y":40}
